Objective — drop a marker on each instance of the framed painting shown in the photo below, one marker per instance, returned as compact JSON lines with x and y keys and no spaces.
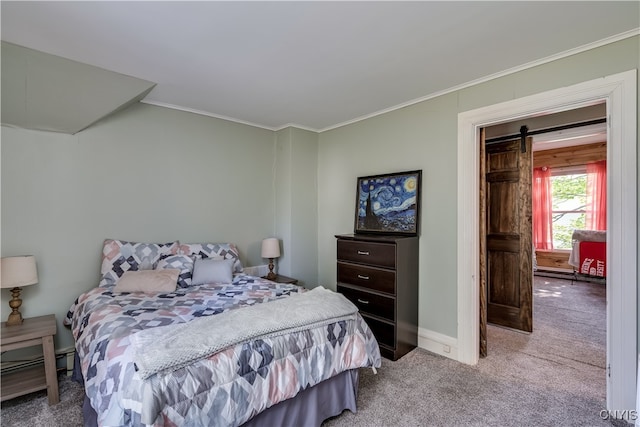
{"x":389,"y":203}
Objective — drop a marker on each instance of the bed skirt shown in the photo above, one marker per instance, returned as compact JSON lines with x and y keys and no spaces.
{"x":308,"y":409}
{"x":313,"y":405}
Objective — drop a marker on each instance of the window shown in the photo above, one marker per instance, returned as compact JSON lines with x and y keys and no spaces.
{"x":569,"y":196}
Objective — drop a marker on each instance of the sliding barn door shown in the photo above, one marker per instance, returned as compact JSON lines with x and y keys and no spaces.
{"x":508,"y":263}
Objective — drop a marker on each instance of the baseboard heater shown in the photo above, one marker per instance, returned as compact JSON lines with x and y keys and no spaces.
{"x":63,"y":354}
{"x":568,"y":275}
{"x":556,"y":273}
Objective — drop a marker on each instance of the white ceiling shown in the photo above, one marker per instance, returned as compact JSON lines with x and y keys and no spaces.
{"x":315,"y":65}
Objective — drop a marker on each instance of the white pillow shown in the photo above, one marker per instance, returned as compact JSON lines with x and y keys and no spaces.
{"x":208,"y":270}
{"x":164,"y":280}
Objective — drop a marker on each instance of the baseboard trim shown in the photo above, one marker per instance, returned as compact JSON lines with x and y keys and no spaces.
{"x":438,"y":343}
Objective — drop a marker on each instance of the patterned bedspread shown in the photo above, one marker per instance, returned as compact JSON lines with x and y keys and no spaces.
{"x":227,"y":388}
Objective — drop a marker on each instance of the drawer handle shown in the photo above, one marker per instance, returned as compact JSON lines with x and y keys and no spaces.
{"x":360,"y":276}
{"x":363,"y":252}
{"x":361,"y":301}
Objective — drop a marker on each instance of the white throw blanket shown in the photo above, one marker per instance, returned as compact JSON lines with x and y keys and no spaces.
{"x":589,"y":235}
{"x":174,"y":346}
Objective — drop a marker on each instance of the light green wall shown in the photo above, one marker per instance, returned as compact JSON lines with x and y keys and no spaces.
{"x":304,"y":207}
{"x":282,"y":188}
{"x":145,"y":174}
{"x":154,"y":174}
{"x":424,"y":136}
{"x":297,"y":204}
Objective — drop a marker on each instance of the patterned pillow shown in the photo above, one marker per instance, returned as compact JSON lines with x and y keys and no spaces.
{"x":119,"y":256}
{"x":184,"y":263}
{"x":213,"y":250}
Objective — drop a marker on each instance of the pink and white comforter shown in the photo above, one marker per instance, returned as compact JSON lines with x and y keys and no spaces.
{"x":227,"y":388}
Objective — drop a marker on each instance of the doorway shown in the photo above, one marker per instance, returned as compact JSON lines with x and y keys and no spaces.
{"x":620,"y":93}
{"x":556,"y":148}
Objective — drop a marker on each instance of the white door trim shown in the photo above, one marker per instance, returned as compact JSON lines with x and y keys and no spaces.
{"x":620,"y":93}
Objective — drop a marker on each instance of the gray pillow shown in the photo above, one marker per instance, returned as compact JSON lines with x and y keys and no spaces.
{"x":207,"y":270}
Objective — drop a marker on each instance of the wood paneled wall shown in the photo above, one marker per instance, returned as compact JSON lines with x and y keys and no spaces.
{"x":553,"y":258}
{"x":570,"y":156}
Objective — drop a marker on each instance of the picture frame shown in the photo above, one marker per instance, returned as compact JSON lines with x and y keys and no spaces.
{"x":389,"y":203}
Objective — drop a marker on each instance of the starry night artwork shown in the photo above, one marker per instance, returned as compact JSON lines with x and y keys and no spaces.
{"x":388,"y":204}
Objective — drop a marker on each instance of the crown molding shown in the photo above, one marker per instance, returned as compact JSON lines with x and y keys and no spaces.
{"x":206,"y":113}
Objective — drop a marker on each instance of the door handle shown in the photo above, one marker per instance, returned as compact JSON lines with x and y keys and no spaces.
{"x":360,"y":276}
{"x":363,"y":252}
{"x":361,"y":301}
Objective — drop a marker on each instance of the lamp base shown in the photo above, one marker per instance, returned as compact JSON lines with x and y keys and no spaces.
{"x":15,"y":318}
{"x":271,"y":275}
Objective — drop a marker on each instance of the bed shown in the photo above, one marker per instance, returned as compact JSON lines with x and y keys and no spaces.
{"x":296,"y":376}
{"x":588,"y":255}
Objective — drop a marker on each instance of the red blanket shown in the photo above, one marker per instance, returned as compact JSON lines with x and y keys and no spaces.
{"x":593,"y":257}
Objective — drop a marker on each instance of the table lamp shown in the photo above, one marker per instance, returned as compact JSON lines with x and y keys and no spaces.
{"x":271,"y":250}
{"x":17,"y":272}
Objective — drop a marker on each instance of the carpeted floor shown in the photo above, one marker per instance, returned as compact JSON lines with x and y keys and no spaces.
{"x":33,"y":410}
{"x":552,"y":377}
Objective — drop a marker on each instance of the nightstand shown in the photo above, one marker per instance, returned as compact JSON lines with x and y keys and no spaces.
{"x":283,"y":279}
{"x":32,"y":332}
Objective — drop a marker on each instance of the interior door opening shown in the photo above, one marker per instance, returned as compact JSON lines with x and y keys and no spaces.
{"x":566,"y":310}
{"x":564,"y":143}
{"x":619,"y":92}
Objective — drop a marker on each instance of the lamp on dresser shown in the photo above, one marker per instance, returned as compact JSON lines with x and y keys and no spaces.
{"x":271,"y":250}
{"x":17,"y":272}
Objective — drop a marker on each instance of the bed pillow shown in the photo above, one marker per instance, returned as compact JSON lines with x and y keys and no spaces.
{"x":213,"y":250}
{"x":209,"y":270}
{"x":183,"y":263}
{"x":119,"y":256}
{"x":148,"y":281}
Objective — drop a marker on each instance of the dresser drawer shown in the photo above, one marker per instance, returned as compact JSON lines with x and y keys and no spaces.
{"x":367,"y":302}
{"x":377,"y":254}
{"x":367,"y":277}
{"x":383,"y":331}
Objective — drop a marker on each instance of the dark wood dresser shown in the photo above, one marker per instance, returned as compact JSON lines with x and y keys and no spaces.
{"x":379,"y":274}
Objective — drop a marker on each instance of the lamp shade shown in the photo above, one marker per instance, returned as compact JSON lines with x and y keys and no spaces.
{"x":18,"y":271}
{"x":270,"y":248}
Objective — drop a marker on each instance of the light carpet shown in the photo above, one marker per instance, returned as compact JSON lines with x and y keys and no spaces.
{"x":552,"y":377}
